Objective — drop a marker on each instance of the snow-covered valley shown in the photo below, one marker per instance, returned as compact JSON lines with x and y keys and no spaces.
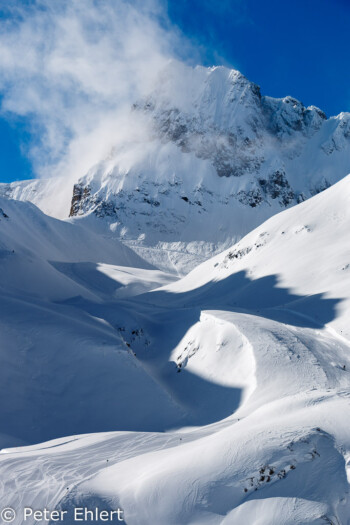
{"x":218,"y":398}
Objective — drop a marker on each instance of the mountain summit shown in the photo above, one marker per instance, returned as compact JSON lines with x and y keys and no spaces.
{"x":208,"y":159}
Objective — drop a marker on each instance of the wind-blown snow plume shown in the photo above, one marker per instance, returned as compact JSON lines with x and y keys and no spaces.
{"x":71,"y":69}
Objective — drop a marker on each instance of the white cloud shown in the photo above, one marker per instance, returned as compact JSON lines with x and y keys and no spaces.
{"x":74,"y":67}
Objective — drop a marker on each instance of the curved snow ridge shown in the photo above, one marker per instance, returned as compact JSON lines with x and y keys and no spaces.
{"x":215,"y":350}
{"x":284,"y":445}
{"x":284,"y":364}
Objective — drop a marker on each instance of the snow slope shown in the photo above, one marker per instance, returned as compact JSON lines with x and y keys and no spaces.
{"x":253,"y":349}
{"x":199,"y":163}
{"x":305,"y":250}
{"x":56,"y":357}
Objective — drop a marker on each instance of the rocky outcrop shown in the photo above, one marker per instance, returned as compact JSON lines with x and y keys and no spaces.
{"x":79,"y":199}
{"x":276,"y":186}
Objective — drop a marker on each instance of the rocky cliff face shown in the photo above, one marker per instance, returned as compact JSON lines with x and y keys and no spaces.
{"x":218,"y":158}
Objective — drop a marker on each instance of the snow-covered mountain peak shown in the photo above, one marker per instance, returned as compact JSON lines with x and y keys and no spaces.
{"x":203,"y":92}
{"x":198,"y":163}
{"x":226,"y":100}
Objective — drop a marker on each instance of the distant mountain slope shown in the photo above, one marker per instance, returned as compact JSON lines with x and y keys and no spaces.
{"x":304,"y":249}
{"x":210,"y":159}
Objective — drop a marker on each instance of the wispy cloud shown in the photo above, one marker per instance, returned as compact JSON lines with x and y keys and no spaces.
{"x":73,"y":67}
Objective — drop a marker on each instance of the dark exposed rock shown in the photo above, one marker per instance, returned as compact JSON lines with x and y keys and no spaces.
{"x":83,"y":201}
{"x":238,"y":254}
{"x":252,"y":197}
{"x":152,"y":202}
{"x":105,"y":209}
{"x":80,"y":194}
{"x":277,"y":186}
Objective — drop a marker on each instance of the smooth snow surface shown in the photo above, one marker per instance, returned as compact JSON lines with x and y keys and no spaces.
{"x":226,"y":393}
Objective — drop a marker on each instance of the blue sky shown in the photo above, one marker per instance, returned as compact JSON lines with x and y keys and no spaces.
{"x":14,"y":163}
{"x":298,"y":48}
